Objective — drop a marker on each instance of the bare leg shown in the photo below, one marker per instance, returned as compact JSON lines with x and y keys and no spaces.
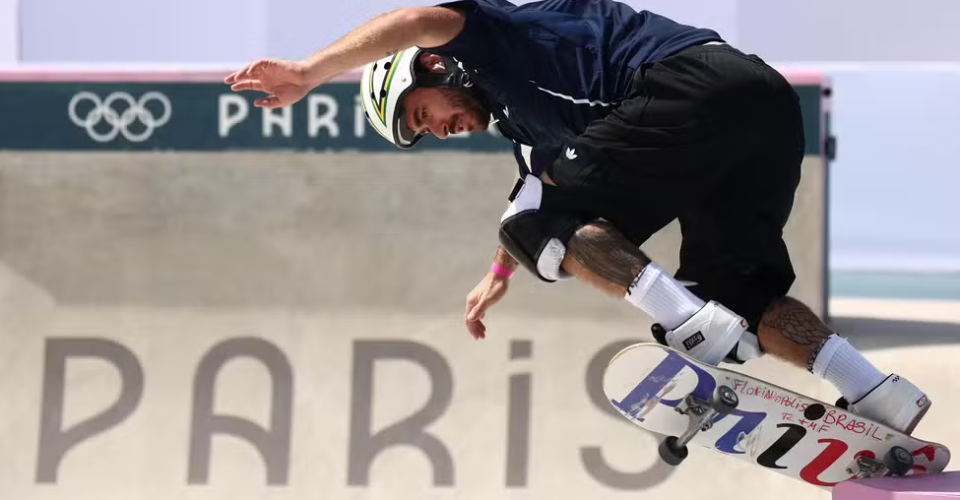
{"x":791,"y":331}
{"x":601,"y":256}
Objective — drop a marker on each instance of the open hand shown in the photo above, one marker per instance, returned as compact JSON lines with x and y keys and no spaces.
{"x":487,"y":293}
{"x":286,"y":81}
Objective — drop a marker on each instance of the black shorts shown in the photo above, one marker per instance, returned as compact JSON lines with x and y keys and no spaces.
{"x":712,"y":137}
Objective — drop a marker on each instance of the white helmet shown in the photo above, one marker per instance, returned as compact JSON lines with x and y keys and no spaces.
{"x":382,"y":88}
{"x":387,"y":81}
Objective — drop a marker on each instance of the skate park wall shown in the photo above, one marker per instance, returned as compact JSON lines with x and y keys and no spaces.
{"x":201,"y":300}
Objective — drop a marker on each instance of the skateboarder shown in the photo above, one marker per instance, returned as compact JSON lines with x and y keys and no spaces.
{"x":621,"y":121}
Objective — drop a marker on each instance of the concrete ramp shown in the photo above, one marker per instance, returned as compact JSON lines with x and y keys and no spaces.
{"x":287,"y":326}
{"x":406,"y":232}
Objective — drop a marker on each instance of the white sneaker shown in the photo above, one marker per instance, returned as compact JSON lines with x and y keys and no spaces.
{"x":896,"y":402}
{"x":712,"y":335}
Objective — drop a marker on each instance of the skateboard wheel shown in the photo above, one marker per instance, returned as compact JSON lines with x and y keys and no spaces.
{"x":671,"y":453}
{"x":898,"y":461}
{"x":724,"y":400}
{"x":659,"y":333}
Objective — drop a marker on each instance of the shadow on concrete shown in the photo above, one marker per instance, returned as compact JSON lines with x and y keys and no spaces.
{"x":870,"y":333}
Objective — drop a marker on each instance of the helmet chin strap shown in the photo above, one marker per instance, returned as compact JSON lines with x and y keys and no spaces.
{"x":453,"y":76}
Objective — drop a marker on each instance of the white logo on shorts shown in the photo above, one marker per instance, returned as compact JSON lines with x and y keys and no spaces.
{"x":571,"y":154}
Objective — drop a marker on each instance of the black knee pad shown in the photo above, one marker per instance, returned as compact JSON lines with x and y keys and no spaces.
{"x":536,"y":234}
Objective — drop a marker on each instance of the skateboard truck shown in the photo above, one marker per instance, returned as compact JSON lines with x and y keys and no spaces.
{"x":723,"y":401}
{"x":897,"y":462}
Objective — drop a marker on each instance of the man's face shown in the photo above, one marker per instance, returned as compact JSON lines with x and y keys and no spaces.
{"x":443,"y":111}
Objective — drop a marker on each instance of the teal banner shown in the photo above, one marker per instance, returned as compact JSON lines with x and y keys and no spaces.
{"x":65,"y":116}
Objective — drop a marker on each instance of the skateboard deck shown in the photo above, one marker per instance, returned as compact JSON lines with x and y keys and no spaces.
{"x":703,"y":406}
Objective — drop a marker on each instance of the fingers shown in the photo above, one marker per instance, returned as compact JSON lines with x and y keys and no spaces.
{"x":471,"y":301}
{"x":235,"y":76}
{"x":476,"y":313}
{"x":268,"y":102}
{"x":248,"y":85}
{"x":475,"y":320}
{"x":250,"y":71}
{"x":477,"y":329}
{"x":473,"y":316}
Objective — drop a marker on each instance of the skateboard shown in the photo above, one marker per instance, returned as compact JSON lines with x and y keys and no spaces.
{"x":665,"y":391}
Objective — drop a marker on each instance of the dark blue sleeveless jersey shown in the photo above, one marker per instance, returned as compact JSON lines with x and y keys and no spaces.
{"x":551,"y":67}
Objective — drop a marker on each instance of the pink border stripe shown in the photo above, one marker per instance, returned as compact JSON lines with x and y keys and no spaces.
{"x":133,"y":76}
{"x":217,"y":76}
{"x":805,"y":77}
{"x":44,"y":76}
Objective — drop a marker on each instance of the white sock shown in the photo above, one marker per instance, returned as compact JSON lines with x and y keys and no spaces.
{"x":664,"y":299}
{"x":842,"y":365}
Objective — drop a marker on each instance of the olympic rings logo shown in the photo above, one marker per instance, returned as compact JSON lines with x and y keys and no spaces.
{"x":120,"y":121}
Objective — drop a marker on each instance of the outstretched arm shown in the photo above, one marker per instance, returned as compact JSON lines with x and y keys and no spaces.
{"x":290,"y":81}
{"x":384,"y":35}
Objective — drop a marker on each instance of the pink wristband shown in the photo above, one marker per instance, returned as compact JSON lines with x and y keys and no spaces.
{"x":500,"y":270}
